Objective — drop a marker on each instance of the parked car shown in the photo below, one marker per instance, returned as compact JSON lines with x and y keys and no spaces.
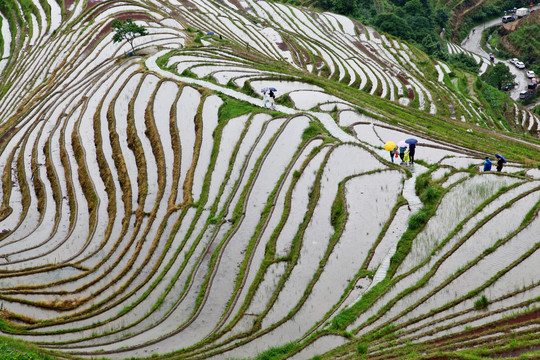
{"x":530,"y":74}
{"x":520,"y":65}
{"x":508,"y":18}
{"x":523,"y":95}
{"x":513,"y":60}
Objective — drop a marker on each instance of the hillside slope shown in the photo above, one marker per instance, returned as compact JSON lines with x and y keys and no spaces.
{"x":152,"y":206}
{"x":521,"y":39}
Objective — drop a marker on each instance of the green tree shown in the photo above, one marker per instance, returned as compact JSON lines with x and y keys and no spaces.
{"x":416,"y":8}
{"x":441,"y":17}
{"x":127,"y":31}
{"x":464,"y":61}
{"x":432,"y":47}
{"x":421,"y":27}
{"x":498,"y":75}
{"x":394,"y":25}
{"x":345,"y":7}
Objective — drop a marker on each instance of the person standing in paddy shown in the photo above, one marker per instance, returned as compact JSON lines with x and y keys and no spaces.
{"x":500,"y":163}
{"x":487,"y":164}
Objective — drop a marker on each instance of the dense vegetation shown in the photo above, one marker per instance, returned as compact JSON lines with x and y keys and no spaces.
{"x":526,"y":38}
{"x":11,"y":349}
{"x":464,"y":61}
{"x":498,"y":75}
{"x":416,"y":21}
{"x":421,"y":22}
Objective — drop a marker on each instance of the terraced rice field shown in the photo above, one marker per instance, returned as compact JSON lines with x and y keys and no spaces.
{"x":150,"y":206}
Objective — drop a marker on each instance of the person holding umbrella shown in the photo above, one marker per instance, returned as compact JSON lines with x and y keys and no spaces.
{"x":392,"y":147}
{"x":412,"y":148}
{"x":272,"y":98}
{"x":500,"y":161}
{"x":265,"y":96}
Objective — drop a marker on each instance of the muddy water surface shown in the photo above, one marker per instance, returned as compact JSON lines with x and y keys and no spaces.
{"x":318,"y":232}
{"x":209,"y":120}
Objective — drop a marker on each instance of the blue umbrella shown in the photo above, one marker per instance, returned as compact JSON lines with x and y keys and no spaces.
{"x":411,"y":141}
{"x":500,"y":157}
{"x":273,"y":89}
{"x":210,"y":33}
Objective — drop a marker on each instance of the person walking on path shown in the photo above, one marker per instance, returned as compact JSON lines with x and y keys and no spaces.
{"x":272,"y":100}
{"x":393,"y":153}
{"x":412,"y":150}
{"x":402,"y":152}
{"x":500,"y":163}
{"x":487,"y":164}
{"x":406,"y":157}
{"x":265,"y":99}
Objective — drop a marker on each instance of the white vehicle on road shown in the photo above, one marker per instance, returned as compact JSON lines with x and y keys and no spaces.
{"x":530,"y":74}
{"x":522,"y":12}
{"x":520,"y":65}
{"x":513,"y":60}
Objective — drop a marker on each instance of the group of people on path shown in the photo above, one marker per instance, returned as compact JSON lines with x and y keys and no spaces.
{"x":405,"y":153}
{"x":269,"y":97}
{"x":488,"y":163}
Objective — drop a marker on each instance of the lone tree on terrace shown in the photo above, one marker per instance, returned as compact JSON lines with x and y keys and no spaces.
{"x":127,"y":30}
{"x":498,"y":75}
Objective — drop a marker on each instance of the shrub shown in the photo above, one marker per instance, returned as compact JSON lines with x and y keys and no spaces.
{"x":315,"y":128}
{"x":247,"y":89}
{"x":422,"y":182}
{"x":481,"y":303}
{"x":285,"y":101}
{"x":417,"y":220}
{"x":464,"y":61}
{"x":431,"y":194}
{"x":361,"y":349}
{"x":277,"y":352}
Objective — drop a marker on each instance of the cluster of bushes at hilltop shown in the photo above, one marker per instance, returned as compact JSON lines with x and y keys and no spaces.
{"x":418,"y":21}
{"x":415,"y":21}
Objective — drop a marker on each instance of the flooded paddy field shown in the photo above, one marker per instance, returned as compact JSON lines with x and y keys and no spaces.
{"x":151,"y":206}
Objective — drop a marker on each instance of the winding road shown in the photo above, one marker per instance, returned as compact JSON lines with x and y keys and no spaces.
{"x":472,"y":43}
